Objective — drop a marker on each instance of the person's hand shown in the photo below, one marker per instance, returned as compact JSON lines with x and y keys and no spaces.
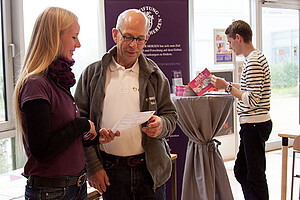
{"x":154,"y":127}
{"x":219,"y":83}
{"x":92,"y":132}
{"x":106,"y":135}
{"x":99,"y":180}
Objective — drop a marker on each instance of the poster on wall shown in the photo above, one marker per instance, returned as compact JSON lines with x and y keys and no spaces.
{"x":223,"y":55}
{"x":168,"y":44}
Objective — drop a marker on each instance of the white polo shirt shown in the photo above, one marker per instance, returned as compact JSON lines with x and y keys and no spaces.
{"x":122,"y":97}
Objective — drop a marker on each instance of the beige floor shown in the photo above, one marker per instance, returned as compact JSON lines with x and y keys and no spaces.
{"x":273,"y":174}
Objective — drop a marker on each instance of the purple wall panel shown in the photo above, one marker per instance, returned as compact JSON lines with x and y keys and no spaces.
{"x":168,"y":45}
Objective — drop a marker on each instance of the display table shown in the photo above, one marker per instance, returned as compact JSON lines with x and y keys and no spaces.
{"x":200,"y":118}
{"x":285,"y":138}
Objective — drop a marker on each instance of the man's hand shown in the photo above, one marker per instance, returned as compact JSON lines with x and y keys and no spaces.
{"x":106,"y":135}
{"x":99,"y":180}
{"x":219,"y":83}
{"x":154,"y":126}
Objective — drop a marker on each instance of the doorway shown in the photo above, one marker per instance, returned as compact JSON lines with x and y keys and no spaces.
{"x":280,"y":44}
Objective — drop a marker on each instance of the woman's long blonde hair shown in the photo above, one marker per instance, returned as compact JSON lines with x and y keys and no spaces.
{"x":44,"y":47}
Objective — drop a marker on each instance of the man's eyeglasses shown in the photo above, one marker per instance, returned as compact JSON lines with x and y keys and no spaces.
{"x":129,"y":39}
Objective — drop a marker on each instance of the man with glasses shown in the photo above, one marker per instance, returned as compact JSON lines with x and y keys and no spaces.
{"x":138,"y":163}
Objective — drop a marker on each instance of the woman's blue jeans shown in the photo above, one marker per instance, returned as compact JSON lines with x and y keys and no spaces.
{"x":64,"y":193}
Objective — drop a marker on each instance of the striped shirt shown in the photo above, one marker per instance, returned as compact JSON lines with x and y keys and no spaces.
{"x":256,"y":84}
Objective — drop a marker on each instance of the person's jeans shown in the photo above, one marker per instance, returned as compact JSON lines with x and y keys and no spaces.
{"x":250,"y":165}
{"x":131,"y":183}
{"x":65,"y":193}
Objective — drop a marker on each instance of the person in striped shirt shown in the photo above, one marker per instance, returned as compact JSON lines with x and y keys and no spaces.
{"x":253,"y":93}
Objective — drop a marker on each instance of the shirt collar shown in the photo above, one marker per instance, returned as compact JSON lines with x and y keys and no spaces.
{"x":250,"y":54}
{"x":115,"y":66}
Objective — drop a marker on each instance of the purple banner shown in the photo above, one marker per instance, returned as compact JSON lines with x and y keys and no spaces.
{"x":168,"y":44}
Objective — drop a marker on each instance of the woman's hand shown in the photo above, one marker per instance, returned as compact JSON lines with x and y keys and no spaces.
{"x":92,"y":132}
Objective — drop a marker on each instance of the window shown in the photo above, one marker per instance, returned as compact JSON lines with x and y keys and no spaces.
{"x":92,"y":39}
{"x":210,"y":15}
{"x":90,"y":36}
{"x":281,"y":47}
{"x":2,"y":78}
{"x":7,"y":133}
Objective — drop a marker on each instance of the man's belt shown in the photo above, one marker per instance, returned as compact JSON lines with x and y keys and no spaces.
{"x":63,"y":181}
{"x":130,"y":161}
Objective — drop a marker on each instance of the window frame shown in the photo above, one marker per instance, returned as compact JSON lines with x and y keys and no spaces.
{"x":7,"y":128}
{"x":13,"y":41}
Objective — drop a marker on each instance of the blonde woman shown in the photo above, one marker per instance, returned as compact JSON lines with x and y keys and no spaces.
{"x":48,"y":116}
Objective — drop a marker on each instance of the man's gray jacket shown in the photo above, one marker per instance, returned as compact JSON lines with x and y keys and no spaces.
{"x":154,"y":92}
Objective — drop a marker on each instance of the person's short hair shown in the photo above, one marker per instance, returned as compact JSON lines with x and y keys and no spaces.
{"x":242,"y":28}
{"x":122,"y":16}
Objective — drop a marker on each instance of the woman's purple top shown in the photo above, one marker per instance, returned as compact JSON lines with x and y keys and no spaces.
{"x":63,"y":110}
